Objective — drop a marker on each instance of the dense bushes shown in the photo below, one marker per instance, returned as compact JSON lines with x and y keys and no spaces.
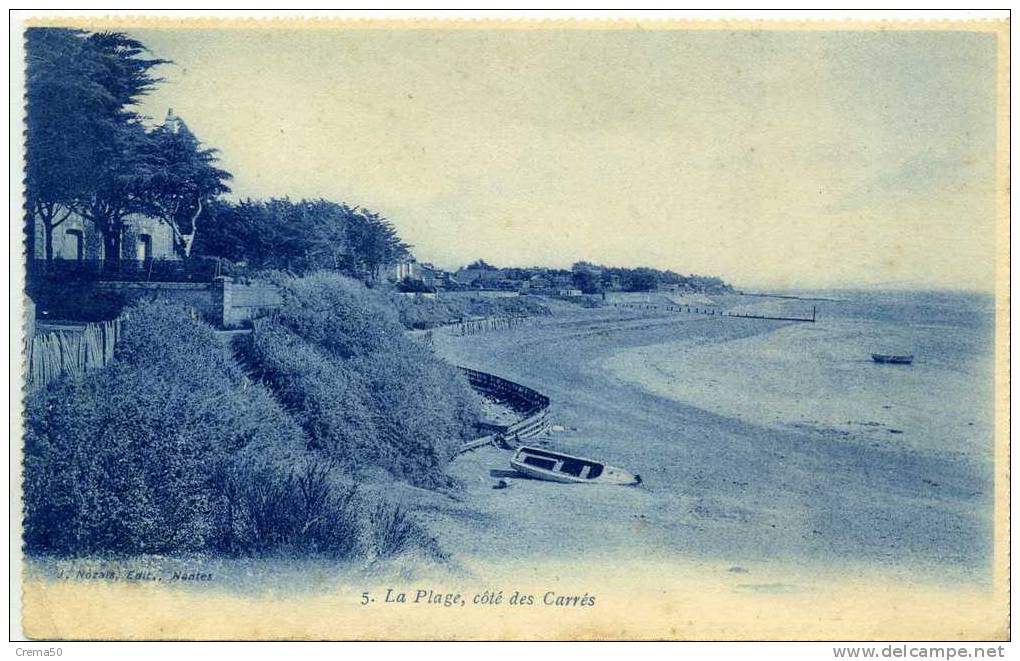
{"x":337,"y":358}
{"x":419,"y":312}
{"x":323,"y":395}
{"x":338,"y":314}
{"x":122,"y":459}
{"x":426,"y":410}
{"x":172,"y":449}
{"x":308,"y":507}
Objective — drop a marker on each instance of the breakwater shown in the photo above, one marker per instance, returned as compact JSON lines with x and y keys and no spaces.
{"x":714,"y":312}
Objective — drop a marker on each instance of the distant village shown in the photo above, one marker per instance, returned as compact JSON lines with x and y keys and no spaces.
{"x":583,"y":278}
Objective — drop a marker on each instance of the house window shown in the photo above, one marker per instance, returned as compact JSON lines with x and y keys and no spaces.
{"x":75,"y":245}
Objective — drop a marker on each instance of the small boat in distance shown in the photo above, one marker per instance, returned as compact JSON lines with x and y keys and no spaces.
{"x":559,"y":467}
{"x":892,"y":359}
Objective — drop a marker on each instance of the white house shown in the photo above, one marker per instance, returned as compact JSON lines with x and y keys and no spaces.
{"x":143,"y":239}
{"x":408,"y":268}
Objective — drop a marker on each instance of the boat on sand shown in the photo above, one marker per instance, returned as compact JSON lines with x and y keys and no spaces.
{"x":892,"y":359}
{"x":559,"y":467}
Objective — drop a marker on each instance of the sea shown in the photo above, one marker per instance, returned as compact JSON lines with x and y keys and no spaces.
{"x":820,"y":376}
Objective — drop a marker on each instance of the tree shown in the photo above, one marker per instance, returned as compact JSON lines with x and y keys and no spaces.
{"x":642,"y":279}
{"x":124,"y":154}
{"x":230,"y":231}
{"x":301,"y":236}
{"x":119,"y":186}
{"x":65,"y":102}
{"x":83,"y":143}
{"x":587,"y":277}
{"x":322,"y":231}
{"x":587,"y":281}
{"x":374,"y":241}
{"x":181,"y":178}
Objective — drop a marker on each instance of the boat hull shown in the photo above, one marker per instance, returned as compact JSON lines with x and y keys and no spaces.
{"x":567,"y":469}
{"x":892,"y":360}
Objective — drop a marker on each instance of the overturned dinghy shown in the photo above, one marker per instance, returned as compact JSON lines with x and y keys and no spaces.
{"x":559,"y":467}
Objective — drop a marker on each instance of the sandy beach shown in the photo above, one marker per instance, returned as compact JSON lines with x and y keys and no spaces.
{"x":761,"y":443}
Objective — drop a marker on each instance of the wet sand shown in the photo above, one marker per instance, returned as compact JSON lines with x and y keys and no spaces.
{"x":719,"y":487}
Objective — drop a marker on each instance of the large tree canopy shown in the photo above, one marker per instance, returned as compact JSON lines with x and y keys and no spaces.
{"x":87,"y":148}
{"x":67,"y":110}
{"x":84,"y":141}
{"x":300,"y":236}
{"x":90,"y":153}
{"x":179,"y":177}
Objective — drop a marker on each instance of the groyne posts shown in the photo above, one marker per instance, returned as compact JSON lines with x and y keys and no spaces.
{"x":475,"y":326}
{"x":719,"y":313}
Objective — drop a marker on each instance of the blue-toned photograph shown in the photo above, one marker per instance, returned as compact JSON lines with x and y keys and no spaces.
{"x":592,"y":331}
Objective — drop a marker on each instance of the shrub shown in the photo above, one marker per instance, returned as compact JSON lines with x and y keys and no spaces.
{"x":337,"y":357}
{"x":425,"y":410}
{"x":395,"y":531}
{"x":122,"y":459}
{"x":300,"y":508}
{"x":172,"y":449}
{"x":309,"y":509}
{"x":338,"y":314}
{"x":324,"y":395}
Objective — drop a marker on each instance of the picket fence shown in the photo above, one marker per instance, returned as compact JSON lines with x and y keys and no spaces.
{"x":50,"y":355}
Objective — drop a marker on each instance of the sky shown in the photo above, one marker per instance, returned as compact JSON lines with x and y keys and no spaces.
{"x":771,"y":159}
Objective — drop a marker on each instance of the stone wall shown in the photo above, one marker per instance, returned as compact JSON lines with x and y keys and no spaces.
{"x":242,"y":303}
{"x":479,"y":294}
{"x":222,"y":303}
{"x":201,"y":296}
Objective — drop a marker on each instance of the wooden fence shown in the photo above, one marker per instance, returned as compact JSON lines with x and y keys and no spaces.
{"x":50,"y":355}
{"x":470,"y":327}
{"x":532,"y":405}
{"x":475,"y":326}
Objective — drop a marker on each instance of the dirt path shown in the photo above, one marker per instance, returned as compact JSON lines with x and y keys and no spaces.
{"x":716,"y":488}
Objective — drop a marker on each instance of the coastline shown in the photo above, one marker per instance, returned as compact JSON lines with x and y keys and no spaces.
{"x":821,"y":380}
{"x":719,"y":487}
{"x":736,"y":521}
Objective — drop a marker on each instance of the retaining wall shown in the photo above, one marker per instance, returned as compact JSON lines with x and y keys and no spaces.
{"x":242,"y":303}
{"x":222,"y":303}
{"x":479,"y":294}
{"x":199,"y":295}
{"x":533,"y":405}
